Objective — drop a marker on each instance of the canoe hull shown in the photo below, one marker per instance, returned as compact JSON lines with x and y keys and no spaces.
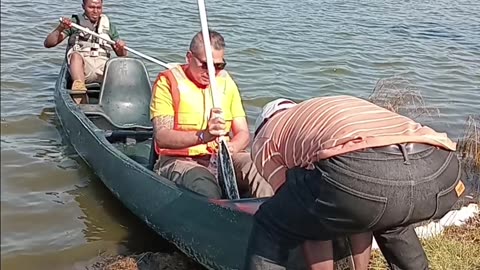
{"x":213,"y":233}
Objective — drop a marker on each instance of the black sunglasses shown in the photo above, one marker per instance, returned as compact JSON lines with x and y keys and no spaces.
{"x":217,"y":66}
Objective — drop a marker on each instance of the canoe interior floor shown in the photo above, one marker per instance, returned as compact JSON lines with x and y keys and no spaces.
{"x":138,"y":151}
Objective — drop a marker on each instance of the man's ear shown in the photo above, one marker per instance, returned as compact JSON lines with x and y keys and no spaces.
{"x":188,"y":57}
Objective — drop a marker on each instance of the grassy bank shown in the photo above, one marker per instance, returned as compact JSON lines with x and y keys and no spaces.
{"x":457,"y":248}
{"x":145,"y":261}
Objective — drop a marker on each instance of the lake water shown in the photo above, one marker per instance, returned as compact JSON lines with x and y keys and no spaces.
{"x":55,"y":214}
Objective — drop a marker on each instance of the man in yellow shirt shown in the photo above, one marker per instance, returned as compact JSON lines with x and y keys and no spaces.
{"x":185,"y":131}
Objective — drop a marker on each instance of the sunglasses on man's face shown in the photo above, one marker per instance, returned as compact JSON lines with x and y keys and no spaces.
{"x":217,"y":66}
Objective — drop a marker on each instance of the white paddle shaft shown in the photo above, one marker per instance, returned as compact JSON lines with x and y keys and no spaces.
{"x":111,"y":42}
{"x":208,"y":52}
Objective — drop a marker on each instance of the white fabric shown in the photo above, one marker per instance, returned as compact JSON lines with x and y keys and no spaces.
{"x":452,"y":218}
{"x":270,"y":108}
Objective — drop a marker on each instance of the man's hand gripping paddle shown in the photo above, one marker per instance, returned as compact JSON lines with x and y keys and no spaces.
{"x":226,"y":171}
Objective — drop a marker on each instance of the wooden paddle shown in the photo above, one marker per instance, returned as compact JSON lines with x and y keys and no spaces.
{"x":226,"y":171}
{"x":111,"y":42}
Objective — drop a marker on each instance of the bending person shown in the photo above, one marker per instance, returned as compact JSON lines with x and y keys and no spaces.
{"x":342,"y":166}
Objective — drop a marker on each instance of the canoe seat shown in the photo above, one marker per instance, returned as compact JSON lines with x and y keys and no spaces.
{"x":91,"y":109}
{"x":79,"y":92}
{"x":125,"y":94}
{"x":97,"y":109}
{"x":93,"y":87}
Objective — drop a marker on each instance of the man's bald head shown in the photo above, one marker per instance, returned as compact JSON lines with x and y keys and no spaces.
{"x":216,"y":40}
{"x":93,"y":1}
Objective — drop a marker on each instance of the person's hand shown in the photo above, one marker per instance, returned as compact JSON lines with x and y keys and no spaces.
{"x":232,"y":148}
{"x":119,"y":45}
{"x":215,"y":125}
{"x":66,"y":23}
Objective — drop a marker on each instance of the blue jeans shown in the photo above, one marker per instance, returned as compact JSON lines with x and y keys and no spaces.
{"x":383,"y":189}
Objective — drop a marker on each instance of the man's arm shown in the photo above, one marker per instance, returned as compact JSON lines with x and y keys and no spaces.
{"x":241,"y":135}
{"x":119,"y":46}
{"x":55,"y":37}
{"x":162,"y":114}
{"x":166,"y":137}
{"x":269,"y":162}
{"x":240,"y":132}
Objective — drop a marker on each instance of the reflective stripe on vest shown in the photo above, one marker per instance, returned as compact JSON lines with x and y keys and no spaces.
{"x":187,"y":116}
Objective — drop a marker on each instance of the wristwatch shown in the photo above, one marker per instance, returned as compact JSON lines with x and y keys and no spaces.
{"x":201,"y":137}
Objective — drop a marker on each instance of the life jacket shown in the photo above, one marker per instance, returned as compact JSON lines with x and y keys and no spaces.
{"x":88,"y":45}
{"x":192,"y":109}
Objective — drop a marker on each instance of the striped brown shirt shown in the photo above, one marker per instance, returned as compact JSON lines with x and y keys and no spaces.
{"x":323,"y":127}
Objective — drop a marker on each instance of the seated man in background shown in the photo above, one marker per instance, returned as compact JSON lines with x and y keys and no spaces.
{"x":87,"y":55}
{"x":185,"y":132}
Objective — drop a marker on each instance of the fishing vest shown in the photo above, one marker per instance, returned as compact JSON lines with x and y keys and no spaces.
{"x":191,"y":107}
{"x":88,"y":45}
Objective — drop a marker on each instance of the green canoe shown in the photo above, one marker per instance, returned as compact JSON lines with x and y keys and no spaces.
{"x":113,"y":134}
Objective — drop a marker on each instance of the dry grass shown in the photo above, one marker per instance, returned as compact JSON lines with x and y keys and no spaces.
{"x":145,"y":261}
{"x":398,"y":95}
{"x":456,"y":248}
{"x":469,"y":150}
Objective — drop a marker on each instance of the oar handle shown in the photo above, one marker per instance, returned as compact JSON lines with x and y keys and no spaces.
{"x":111,"y":42}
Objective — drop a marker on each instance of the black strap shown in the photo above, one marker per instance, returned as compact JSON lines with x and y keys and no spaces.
{"x":406,"y":160}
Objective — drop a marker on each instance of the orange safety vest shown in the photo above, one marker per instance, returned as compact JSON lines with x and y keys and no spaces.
{"x":191,"y":110}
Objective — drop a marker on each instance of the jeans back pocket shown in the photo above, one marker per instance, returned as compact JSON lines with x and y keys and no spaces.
{"x":345,"y":209}
{"x":446,"y":199}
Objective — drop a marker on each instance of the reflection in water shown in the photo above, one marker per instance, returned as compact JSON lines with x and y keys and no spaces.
{"x":106,"y":219}
{"x":76,"y":217}
{"x":35,"y":224}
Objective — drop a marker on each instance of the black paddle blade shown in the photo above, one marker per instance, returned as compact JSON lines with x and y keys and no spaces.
{"x":226,"y":172}
{"x":342,"y":254}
